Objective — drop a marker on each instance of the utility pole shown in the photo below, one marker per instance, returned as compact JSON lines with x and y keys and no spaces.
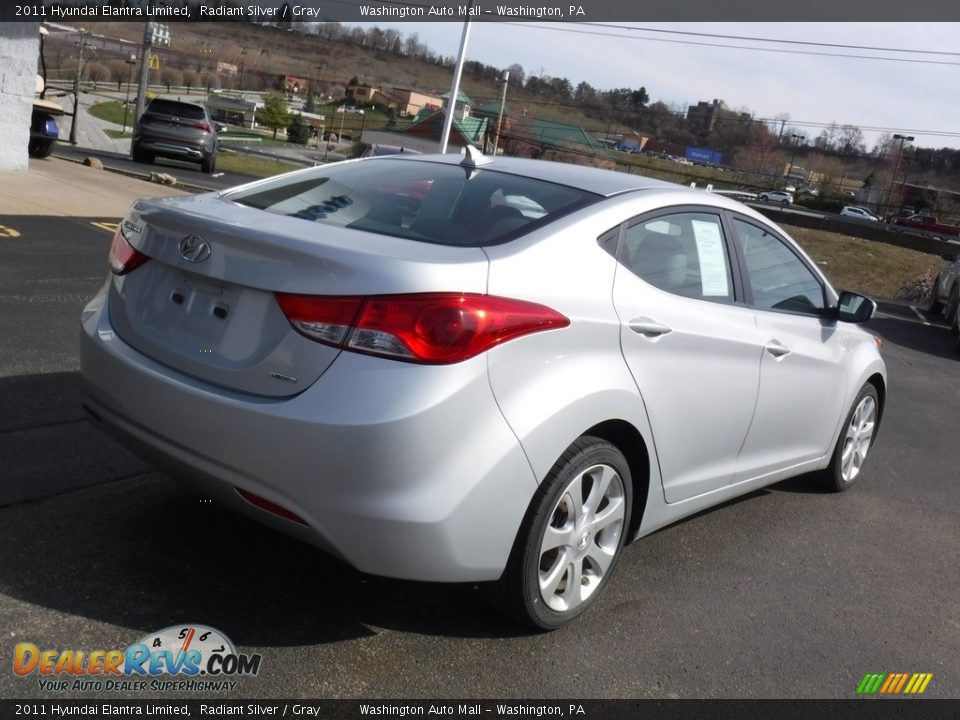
{"x":503,"y":104}
{"x":896,"y":166}
{"x":144,"y":80}
{"x":793,"y":155}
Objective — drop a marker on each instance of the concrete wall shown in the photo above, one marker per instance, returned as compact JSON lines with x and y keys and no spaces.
{"x":19,"y":54}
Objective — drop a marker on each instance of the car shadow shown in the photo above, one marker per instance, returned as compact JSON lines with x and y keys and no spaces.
{"x":900,"y":325}
{"x":134,"y":549}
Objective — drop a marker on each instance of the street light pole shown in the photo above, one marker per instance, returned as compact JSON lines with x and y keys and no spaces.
{"x":896,"y":166}
{"x":76,"y":88}
{"x":126,"y":104}
{"x":455,"y":86}
{"x":503,"y":103}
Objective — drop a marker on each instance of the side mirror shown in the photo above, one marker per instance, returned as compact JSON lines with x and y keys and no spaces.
{"x":219,"y":127}
{"x":854,"y":307}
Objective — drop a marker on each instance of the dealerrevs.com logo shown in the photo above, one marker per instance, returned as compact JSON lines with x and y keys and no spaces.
{"x":186,"y":658}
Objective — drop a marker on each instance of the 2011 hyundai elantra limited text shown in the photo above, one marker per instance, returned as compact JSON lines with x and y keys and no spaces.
{"x":461,"y":369}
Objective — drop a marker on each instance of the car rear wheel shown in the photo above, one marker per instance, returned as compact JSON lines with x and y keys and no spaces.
{"x":950,"y":310}
{"x":141,"y":156}
{"x":935,"y":307}
{"x":856,"y":438}
{"x":209,"y":164}
{"x":785,"y":202}
{"x":571,"y":539}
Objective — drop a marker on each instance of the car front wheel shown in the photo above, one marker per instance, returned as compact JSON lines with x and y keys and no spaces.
{"x":571,"y":539}
{"x":856,"y":438}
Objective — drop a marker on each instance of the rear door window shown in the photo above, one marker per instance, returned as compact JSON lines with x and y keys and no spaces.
{"x":187,"y":111}
{"x":684,"y":253}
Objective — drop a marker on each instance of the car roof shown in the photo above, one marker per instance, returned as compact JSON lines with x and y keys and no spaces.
{"x":590,"y":179}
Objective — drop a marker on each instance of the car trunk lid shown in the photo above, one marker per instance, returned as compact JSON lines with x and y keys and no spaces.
{"x":205,"y":303}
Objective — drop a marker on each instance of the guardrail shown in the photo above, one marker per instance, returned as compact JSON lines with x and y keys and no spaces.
{"x":877,"y":232}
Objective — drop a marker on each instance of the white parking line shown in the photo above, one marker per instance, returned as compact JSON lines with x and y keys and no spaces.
{"x":919,"y":315}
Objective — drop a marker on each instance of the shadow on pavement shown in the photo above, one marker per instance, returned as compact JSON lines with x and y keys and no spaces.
{"x":899,"y":324}
{"x":131,"y":548}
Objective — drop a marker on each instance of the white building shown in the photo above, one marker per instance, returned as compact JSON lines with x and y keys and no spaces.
{"x":19,"y":50}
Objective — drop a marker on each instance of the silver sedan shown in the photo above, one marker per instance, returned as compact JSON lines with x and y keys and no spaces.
{"x":473,"y":370}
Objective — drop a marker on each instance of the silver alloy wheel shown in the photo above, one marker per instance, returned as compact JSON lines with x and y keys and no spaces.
{"x":856,"y":441}
{"x":581,"y":538}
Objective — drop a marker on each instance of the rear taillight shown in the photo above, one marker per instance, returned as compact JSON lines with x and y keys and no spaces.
{"x":438,"y":328}
{"x":202,"y":126}
{"x":124,"y":257}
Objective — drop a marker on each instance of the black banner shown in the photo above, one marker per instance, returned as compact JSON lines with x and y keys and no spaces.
{"x":293,"y":11}
{"x":494,"y":709}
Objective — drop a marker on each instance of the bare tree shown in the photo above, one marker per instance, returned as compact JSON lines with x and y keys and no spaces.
{"x":171,"y":76}
{"x":96,"y":72}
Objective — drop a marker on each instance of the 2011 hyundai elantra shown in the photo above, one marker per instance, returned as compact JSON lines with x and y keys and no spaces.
{"x":462,"y":369}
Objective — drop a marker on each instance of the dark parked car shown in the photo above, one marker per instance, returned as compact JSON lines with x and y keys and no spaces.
{"x":175,"y":129}
{"x":43,"y":128}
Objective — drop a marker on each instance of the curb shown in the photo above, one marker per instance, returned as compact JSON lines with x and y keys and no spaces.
{"x":141,"y":176}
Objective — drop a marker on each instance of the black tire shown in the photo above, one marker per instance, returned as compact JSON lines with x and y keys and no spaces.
{"x":141,"y":156}
{"x":785,"y":203}
{"x":950,"y":309}
{"x":209,"y":164}
{"x":935,"y":307}
{"x":599,"y":537}
{"x":40,"y":148}
{"x":836,"y":477}
{"x":763,"y":198}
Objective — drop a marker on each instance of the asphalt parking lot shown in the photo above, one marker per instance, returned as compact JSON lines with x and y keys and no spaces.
{"x":785,"y":593}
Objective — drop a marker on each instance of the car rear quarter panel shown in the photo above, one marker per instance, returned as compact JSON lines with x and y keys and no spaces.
{"x":553,"y":386}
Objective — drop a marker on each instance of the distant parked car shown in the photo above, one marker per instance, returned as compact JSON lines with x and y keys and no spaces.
{"x":380,"y":150}
{"x":946,"y":290}
{"x":776,"y":196}
{"x":175,"y":129}
{"x":852,"y":211}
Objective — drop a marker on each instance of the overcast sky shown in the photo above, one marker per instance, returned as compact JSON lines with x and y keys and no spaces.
{"x":914,"y":98}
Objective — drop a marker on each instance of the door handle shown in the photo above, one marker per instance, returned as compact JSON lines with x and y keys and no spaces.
{"x":649,"y":328}
{"x":777,"y":349}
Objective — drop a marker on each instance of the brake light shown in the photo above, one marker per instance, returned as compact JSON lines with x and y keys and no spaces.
{"x":432,"y":328}
{"x":202,"y":126}
{"x":123,"y":256}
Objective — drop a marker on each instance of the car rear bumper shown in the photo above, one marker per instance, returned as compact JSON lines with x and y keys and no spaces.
{"x":173,"y":148}
{"x":401,"y":470}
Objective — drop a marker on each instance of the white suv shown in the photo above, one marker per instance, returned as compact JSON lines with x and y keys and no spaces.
{"x":777,"y":196}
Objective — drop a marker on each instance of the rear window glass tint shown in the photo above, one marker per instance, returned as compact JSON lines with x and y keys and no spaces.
{"x":178,"y":109}
{"x":425,"y":201}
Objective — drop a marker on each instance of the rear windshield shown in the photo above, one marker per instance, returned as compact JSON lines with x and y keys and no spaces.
{"x":178,"y":109}
{"x":427,"y":201}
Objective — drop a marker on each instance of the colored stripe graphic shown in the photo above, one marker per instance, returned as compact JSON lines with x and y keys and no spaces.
{"x":918,"y":683}
{"x":894,"y":683}
{"x":870,"y":683}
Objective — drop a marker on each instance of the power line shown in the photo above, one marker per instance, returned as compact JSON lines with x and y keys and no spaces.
{"x":770,"y":40}
{"x":781,"y":51}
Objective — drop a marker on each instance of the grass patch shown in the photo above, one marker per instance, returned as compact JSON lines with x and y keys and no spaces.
{"x":111,"y":112}
{"x":867,"y":266}
{"x":118,"y":134}
{"x":252,"y":165}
